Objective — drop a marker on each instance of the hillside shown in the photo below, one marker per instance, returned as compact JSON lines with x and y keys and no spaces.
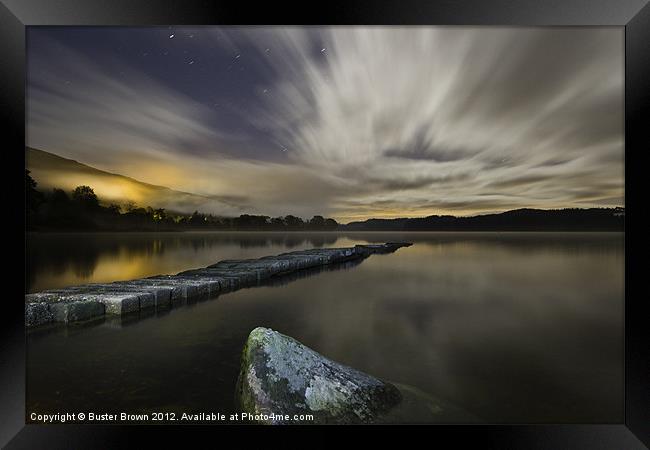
{"x":573,"y":219}
{"x":50,"y":171}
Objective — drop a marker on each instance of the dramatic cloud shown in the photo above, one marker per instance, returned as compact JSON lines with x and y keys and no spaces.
{"x":346,"y":121}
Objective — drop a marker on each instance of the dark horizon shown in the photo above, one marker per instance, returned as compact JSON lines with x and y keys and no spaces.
{"x":127,"y":204}
{"x":84,"y":210}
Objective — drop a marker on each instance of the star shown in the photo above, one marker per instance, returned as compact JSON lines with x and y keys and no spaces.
{"x":191,"y":62}
{"x":322,"y":50}
{"x":237,"y":57}
{"x":171,"y":36}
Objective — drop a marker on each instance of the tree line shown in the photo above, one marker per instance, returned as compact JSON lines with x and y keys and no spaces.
{"x":81,"y":209}
{"x":525,"y":219}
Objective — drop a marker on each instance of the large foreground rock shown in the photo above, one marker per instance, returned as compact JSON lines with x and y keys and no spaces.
{"x":281,"y":377}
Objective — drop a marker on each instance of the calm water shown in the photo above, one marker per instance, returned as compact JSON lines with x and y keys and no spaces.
{"x":511,"y":327}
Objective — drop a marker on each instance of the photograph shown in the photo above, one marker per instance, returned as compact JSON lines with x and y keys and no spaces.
{"x":324,"y":224}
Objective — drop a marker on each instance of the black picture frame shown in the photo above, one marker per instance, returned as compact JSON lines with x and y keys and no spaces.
{"x":634,"y":15}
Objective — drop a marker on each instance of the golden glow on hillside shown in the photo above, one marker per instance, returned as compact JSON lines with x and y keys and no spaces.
{"x":108,"y":189}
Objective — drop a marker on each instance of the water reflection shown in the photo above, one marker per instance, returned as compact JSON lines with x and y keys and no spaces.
{"x":62,"y":259}
{"x":511,"y":327}
{"x":133,"y":318}
{"x":57,"y":260}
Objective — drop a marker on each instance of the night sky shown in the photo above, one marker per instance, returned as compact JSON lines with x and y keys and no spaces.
{"x":348,"y":122}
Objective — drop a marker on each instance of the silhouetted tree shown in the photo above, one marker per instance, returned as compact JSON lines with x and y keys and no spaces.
{"x":317,"y":222}
{"x":248,"y":222}
{"x":114,"y":209}
{"x":197,"y":219}
{"x":331,"y":224}
{"x":85,"y":196}
{"x":293,"y":222}
{"x":33,"y":198}
{"x":129,"y":206}
{"x":159,"y":215}
{"x":277,"y":223}
{"x":59,"y":196}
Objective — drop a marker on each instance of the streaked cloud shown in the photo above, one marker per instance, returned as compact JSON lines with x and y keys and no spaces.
{"x":352,"y":121}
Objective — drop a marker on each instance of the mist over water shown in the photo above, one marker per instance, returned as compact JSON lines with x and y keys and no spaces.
{"x":511,"y":327}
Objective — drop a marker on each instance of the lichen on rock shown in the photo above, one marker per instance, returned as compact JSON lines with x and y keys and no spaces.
{"x":279,"y":376}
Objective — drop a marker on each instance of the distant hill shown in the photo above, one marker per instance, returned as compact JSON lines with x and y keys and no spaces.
{"x":593,"y":219}
{"x":53,"y":171}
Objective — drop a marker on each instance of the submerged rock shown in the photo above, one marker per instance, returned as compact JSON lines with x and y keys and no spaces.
{"x":280,"y":378}
{"x":419,"y":407}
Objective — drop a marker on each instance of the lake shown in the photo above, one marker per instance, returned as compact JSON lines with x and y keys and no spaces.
{"x":510,"y":327}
